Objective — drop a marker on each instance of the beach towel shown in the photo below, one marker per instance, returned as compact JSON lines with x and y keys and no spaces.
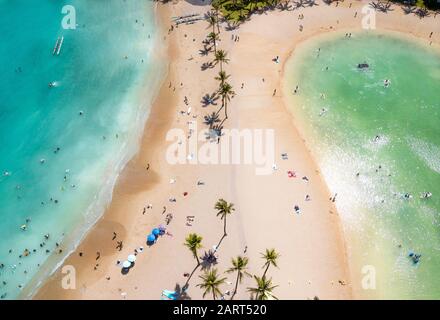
{"x":170,"y":294}
{"x":291,"y":174}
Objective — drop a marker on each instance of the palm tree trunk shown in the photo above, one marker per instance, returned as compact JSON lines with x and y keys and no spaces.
{"x":218,"y":27}
{"x":190,"y":276}
{"x":223,"y":105}
{"x":265,"y":271}
{"x":220,"y":242}
{"x":213,"y":294}
{"x":220,"y":109}
{"x":213,"y":31}
{"x":226,"y":115}
{"x":198,"y":265}
{"x":236,"y":285}
{"x":224,"y":227}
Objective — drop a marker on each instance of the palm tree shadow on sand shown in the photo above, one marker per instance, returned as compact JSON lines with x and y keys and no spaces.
{"x":181,"y":294}
{"x":208,"y":260}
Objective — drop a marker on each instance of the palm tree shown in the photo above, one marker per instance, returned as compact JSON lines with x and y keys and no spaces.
{"x":227,"y":92}
{"x":193,"y":242}
{"x":213,"y":37}
{"x":223,"y":210}
{"x":264,"y":288}
{"x":239,"y":265}
{"x":213,"y":20}
{"x":220,"y":56}
{"x":222,"y":77}
{"x":211,"y":283}
{"x":271,"y":257}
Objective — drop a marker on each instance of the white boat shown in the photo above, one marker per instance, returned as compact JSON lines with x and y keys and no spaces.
{"x":60,"y":45}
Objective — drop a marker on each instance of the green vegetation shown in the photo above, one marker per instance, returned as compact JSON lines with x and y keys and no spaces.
{"x":239,"y":265}
{"x":270,"y":257}
{"x":223,"y":210}
{"x":211,"y":283}
{"x":429,"y":4}
{"x":263,"y":290}
{"x":239,"y":10}
{"x":193,"y":242}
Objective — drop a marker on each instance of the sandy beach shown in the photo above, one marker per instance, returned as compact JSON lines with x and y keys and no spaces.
{"x":313,"y":258}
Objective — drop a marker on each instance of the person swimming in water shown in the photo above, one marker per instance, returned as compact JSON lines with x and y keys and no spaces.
{"x":426,"y":195}
{"x":407,"y":196}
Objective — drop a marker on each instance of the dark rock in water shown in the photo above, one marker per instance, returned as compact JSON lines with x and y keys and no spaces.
{"x":363,"y":65}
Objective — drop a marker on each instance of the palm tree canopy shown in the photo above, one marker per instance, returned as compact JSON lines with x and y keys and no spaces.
{"x":271,"y":257}
{"x":226,"y":91}
{"x":239,"y":265}
{"x":223,"y":208}
{"x":222,"y":76}
{"x":211,"y":18}
{"x":212,"y":36}
{"x":263,"y":290}
{"x":211,"y":282}
{"x":221,"y":56}
{"x":193,"y":241}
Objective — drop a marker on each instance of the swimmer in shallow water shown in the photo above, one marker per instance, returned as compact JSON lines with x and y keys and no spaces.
{"x":426,"y":195}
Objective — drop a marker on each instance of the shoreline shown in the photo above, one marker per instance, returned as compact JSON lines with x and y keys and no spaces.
{"x":417,"y":39}
{"x":130,"y":190}
{"x":97,"y":208}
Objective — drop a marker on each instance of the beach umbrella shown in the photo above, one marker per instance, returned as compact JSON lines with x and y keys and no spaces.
{"x":162,"y":229}
{"x":126,"y":264}
{"x":155,"y":232}
{"x":151,"y":238}
{"x":131,"y":258}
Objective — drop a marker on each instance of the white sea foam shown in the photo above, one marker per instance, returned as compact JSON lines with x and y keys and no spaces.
{"x":428,"y":152}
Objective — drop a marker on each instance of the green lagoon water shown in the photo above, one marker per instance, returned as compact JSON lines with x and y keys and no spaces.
{"x":391,"y":137}
{"x":64,"y":194}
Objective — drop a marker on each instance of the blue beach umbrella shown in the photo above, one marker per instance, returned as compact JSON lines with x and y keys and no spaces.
{"x":156,"y":232}
{"x":151,"y":238}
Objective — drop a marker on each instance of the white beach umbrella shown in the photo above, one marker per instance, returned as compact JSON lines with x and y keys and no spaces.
{"x":131,"y":258}
{"x":126,"y":264}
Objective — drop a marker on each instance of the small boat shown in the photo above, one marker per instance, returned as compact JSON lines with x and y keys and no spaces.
{"x":55,"y":48}
{"x":58,"y":44}
{"x":363,"y":65}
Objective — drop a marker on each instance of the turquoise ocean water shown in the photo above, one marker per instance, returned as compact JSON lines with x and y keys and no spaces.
{"x":390,"y":137}
{"x":61,"y":148}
